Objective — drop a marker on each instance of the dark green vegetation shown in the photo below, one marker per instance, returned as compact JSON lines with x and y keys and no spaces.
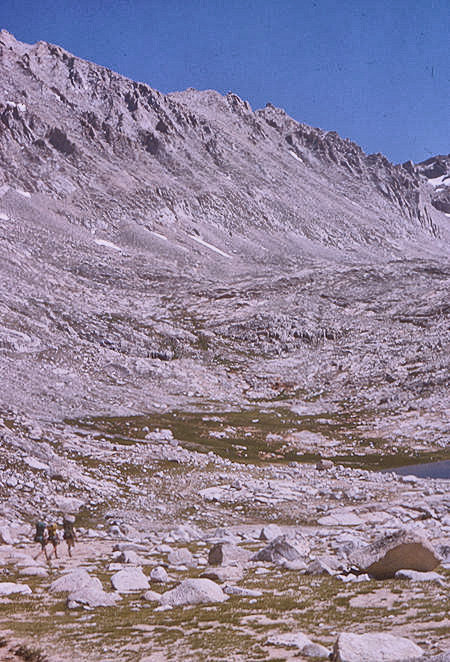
{"x":263,"y":435}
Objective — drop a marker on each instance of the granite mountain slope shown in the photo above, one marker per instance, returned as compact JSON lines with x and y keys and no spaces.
{"x":168,"y":248}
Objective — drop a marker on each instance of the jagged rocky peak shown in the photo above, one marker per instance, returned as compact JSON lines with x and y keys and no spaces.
{"x":8,"y":41}
{"x":436,"y":166}
{"x":437,"y":171}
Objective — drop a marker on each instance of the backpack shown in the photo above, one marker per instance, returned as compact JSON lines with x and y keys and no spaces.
{"x":40,"y":532}
{"x":68,"y":529}
{"x":52,"y":532}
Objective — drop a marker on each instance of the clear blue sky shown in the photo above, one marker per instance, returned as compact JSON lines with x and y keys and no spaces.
{"x":376,"y":71}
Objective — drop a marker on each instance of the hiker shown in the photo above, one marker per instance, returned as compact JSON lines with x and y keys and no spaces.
{"x":41,"y":537}
{"x":69,"y":532}
{"x":53,"y":538}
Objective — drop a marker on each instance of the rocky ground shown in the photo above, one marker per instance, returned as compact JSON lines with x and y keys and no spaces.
{"x":198,"y":303}
{"x":163,"y":506}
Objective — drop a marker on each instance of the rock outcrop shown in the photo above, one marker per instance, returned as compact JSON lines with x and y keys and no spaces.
{"x":374,"y":647}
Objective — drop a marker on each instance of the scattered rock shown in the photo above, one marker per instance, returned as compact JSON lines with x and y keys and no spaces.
{"x":319,"y":567}
{"x":300,"y":641}
{"x":6,"y":536}
{"x":415,"y":576}
{"x":228,"y":573}
{"x":351,"y":577}
{"x":283,"y":549}
{"x":181,"y":557}
{"x":8,"y":588}
{"x":126,"y":546}
{"x":159,"y":574}
{"x":298,"y":565}
{"x":340,"y":518}
{"x":151,"y":596}
{"x":270,"y":531}
{"x":68,"y":504}
{"x":33,"y":571}
{"x":184,"y":533}
{"x":242,"y":592}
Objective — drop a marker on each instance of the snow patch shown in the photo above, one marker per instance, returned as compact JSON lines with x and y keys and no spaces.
{"x":24,"y":194}
{"x":21,"y":107}
{"x":160,"y":236}
{"x":210,"y":246}
{"x":443,"y":180}
{"x":107,"y":244}
{"x":3,"y":217}
{"x":296,"y":156}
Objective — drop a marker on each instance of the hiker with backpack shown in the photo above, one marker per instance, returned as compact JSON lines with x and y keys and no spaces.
{"x":41,"y":537}
{"x":53,"y":538}
{"x":69,"y":532}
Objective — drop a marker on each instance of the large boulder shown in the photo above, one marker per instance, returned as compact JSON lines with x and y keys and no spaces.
{"x":91,"y":597}
{"x":130,"y":579}
{"x":283,"y":549}
{"x":8,"y":588}
{"x":225,"y":553}
{"x":194,"y":592}
{"x":74,"y":581}
{"x":401,"y":550}
{"x":374,"y":647}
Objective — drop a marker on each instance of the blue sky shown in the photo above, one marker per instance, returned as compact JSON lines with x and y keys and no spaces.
{"x":375,"y":71}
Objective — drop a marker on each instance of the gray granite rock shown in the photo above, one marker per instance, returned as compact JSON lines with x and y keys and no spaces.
{"x":129,"y":580}
{"x":374,"y":647}
{"x":194,"y":592}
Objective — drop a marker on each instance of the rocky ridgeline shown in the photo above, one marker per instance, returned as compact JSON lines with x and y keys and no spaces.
{"x":67,"y":122}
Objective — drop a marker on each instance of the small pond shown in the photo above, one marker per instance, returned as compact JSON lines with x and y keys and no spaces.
{"x":425,"y":470}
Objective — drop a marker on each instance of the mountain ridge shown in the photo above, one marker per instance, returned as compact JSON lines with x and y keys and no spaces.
{"x":83,"y":117}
